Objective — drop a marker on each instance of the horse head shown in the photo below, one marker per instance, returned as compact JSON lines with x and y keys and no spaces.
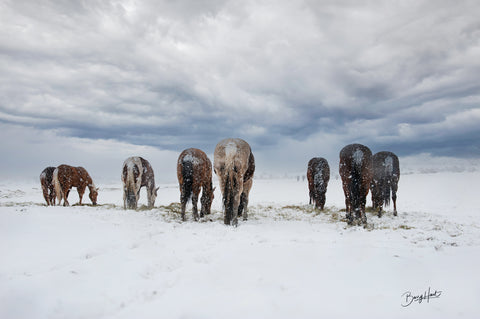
{"x":153,"y":197}
{"x":93,"y":195}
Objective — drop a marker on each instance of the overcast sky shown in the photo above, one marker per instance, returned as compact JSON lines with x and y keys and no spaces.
{"x":92,"y":82}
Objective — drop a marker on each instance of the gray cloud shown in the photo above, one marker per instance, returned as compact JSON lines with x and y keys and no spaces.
{"x":175,"y":74}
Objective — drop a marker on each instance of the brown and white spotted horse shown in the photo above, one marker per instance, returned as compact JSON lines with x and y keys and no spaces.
{"x":356,"y":173}
{"x":234,"y":165}
{"x":48,"y":188}
{"x":194,"y":173}
{"x":136,"y":173}
{"x":65,"y":177}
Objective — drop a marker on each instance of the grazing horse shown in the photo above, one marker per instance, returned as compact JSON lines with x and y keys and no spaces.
{"x":194,"y":172}
{"x":386,"y":173}
{"x":356,"y":173}
{"x":234,"y":165}
{"x":137,"y":172}
{"x":318,"y":175}
{"x":65,"y":177}
{"x":46,"y":179}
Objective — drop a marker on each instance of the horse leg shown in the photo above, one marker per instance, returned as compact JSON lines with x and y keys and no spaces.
{"x":348,"y":210}
{"x":322,"y":201}
{"x":46,"y":195}
{"x":247,"y":186}
{"x":194,"y":204}
{"x":242,"y":208}
{"x":183,"y":203}
{"x":394,"y":198}
{"x":81,"y":191}
{"x":65,"y":198}
{"x":362,"y":211}
{"x":52,"y":196}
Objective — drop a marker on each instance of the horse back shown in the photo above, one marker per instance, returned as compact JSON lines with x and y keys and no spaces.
{"x":386,"y":166}
{"x":234,"y":154}
{"x":356,"y":168}
{"x":46,"y":177}
{"x":318,"y":172}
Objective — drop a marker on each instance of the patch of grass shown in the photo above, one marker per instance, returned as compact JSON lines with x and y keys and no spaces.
{"x":174,"y":208}
{"x":22,"y":204}
{"x":303,"y":208}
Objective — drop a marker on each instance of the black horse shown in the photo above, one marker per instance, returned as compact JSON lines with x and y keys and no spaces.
{"x":318,"y":175}
{"x":48,"y":188}
{"x":386,"y":173}
{"x":356,"y":172}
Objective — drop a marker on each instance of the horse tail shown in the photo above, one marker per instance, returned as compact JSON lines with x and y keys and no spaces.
{"x":187,"y":184}
{"x":230,"y":190}
{"x":57,"y":186}
{"x":386,"y":192}
{"x":130,"y":186}
{"x":355,"y":185}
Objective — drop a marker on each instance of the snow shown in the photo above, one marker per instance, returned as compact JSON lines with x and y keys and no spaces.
{"x":189,"y":157}
{"x":358,"y":157}
{"x":286,"y":261}
{"x":230,"y":149}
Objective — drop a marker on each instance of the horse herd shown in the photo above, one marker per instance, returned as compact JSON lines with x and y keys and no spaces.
{"x":234,"y":165}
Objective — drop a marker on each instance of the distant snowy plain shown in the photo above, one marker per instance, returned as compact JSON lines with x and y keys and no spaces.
{"x":286,"y":261}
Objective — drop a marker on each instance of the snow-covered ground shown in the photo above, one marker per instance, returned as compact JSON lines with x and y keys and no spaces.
{"x":286,"y":261}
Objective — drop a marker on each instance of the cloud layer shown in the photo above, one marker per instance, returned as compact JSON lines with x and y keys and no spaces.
{"x":403,"y":76}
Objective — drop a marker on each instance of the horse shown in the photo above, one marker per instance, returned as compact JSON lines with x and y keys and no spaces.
{"x":386,"y":174}
{"x":318,"y":175}
{"x":46,"y":180}
{"x":194,"y":172}
{"x":65,"y":177}
{"x":234,"y":165}
{"x":356,"y":173}
{"x":136,"y":173}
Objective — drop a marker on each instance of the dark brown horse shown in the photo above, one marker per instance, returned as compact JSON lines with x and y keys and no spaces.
{"x":234,"y":165}
{"x":65,"y":177}
{"x":356,"y":173}
{"x":46,"y":180}
{"x":386,"y":174}
{"x":318,"y":175}
{"x":194,"y":172}
{"x":136,"y":173}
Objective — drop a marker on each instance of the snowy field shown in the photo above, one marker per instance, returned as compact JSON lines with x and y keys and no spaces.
{"x":286,"y":261}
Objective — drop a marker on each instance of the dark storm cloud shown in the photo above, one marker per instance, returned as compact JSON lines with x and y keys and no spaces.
{"x":175,"y":74}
